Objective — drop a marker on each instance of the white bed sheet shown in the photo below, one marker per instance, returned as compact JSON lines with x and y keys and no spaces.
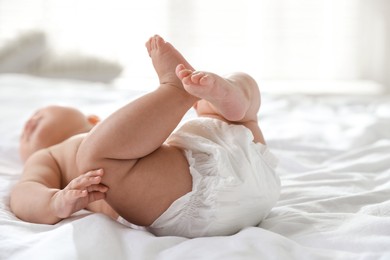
{"x":334,"y":164}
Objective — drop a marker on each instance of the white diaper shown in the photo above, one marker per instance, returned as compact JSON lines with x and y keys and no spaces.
{"x":234,"y":182}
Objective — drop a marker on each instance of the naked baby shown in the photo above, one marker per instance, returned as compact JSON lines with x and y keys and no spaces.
{"x":213,"y":175}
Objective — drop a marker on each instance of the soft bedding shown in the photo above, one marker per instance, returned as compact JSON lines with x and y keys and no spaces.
{"x":334,"y":165}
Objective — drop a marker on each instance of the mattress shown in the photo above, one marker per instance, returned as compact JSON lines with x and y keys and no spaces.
{"x":334,"y":165}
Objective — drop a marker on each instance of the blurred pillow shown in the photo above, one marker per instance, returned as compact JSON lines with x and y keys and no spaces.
{"x":18,"y":54}
{"x":29,"y":53}
{"x":75,"y":66}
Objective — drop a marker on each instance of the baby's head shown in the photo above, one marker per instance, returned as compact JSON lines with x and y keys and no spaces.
{"x":51,"y":125}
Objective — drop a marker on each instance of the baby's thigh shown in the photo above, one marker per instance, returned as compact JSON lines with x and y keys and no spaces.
{"x":152,"y":184}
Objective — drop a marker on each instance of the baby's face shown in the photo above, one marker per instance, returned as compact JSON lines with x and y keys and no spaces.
{"x":51,"y":125}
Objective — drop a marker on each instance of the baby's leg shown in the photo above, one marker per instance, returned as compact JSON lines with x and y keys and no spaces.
{"x":141,"y":126}
{"x":143,"y":174}
{"x":234,"y":98}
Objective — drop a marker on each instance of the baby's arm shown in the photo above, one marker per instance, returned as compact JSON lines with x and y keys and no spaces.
{"x":38,"y":196}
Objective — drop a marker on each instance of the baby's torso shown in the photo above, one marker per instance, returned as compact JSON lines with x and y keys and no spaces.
{"x":65,"y":156}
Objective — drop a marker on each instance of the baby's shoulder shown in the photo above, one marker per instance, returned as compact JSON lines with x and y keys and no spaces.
{"x":69,"y":144}
{"x":41,"y":167}
{"x":68,"y":148}
{"x":64,"y":155}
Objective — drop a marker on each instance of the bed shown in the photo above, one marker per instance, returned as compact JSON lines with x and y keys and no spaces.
{"x":334,"y":165}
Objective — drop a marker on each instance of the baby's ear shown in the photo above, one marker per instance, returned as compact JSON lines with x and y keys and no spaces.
{"x":93,"y":119}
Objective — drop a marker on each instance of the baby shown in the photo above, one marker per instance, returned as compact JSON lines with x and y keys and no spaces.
{"x":212,"y":176}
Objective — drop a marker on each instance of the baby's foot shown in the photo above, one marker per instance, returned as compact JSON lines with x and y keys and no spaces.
{"x":226,"y":97}
{"x":165,"y":58}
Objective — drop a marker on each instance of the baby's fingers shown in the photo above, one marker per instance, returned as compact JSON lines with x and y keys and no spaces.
{"x":93,"y":192}
{"x":73,"y":195}
{"x":97,"y":187}
{"x":98,"y":172}
{"x":87,"y":179}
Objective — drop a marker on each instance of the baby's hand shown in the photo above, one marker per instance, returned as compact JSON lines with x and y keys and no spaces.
{"x":79,"y":193}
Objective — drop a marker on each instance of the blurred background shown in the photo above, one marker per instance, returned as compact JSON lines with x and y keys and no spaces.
{"x":290,"y":46}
